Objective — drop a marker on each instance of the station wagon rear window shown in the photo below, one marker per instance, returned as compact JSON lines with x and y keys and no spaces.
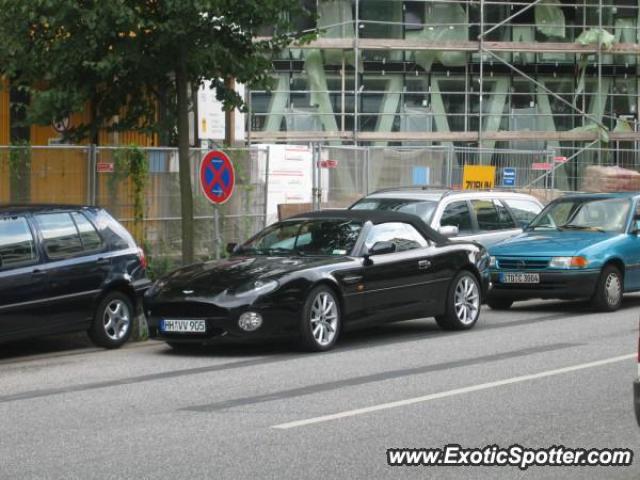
{"x":60,"y":235}
{"x":16,"y":242}
{"x":90,"y":238}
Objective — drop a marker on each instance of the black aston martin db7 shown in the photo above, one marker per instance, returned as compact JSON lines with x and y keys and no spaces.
{"x":314,"y":275}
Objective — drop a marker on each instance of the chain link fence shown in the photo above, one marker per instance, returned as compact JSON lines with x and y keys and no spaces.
{"x":103,"y":176}
{"x":337,"y":176}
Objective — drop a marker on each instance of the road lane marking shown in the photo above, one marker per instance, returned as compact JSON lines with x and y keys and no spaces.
{"x":383,"y":376}
{"x":451,"y":393}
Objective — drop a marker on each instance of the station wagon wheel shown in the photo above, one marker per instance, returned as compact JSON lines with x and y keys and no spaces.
{"x":463,"y":303}
{"x":609,"y":290}
{"x":320,"y":323}
{"x":113,"y":320}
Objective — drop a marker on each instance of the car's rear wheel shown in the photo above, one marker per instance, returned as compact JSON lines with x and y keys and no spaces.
{"x":113,"y":321}
{"x":500,"y":303}
{"x":609,"y":289}
{"x":321,"y":320}
{"x":463,"y":303}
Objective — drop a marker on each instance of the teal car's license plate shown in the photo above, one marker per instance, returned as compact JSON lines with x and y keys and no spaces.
{"x":516,"y":277}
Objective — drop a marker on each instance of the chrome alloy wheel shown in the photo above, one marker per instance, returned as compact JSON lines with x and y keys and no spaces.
{"x":324,"y":318}
{"x":116,"y":319}
{"x":613,"y":289}
{"x":467,"y":300}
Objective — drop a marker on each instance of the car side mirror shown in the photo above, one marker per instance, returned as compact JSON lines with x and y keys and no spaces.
{"x":231,"y":247}
{"x":449,"y":231}
{"x":382,"y":248}
{"x":635,"y":225}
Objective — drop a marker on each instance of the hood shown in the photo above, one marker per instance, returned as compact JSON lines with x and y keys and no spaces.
{"x":211,"y":278}
{"x":554,"y":243}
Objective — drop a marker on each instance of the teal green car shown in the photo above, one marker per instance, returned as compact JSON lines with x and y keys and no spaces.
{"x":579,"y":246}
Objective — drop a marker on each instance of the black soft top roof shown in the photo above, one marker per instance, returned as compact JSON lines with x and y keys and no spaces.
{"x":376,"y":217}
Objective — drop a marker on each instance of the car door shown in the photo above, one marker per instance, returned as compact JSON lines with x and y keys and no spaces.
{"x":399,"y":285}
{"x":23,"y":284}
{"x":493,"y":221}
{"x":76,"y":265}
{"x":630,"y":251}
{"x":457,"y":214}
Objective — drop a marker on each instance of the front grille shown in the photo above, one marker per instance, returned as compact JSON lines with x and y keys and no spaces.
{"x":188,"y":310}
{"x":523,"y":264}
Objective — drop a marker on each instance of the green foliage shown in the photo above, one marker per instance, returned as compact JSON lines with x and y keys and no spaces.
{"x":121,"y":57}
{"x":132,"y":62}
{"x":160,"y":265}
{"x":20,"y":172}
{"x":130,"y":163}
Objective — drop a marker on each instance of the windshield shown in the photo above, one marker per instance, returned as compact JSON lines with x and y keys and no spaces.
{"x":305,"y":237}
{"x":420,"y":208}
{"x":604,"y":215}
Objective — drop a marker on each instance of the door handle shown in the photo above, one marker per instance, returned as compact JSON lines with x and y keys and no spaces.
{"x":423,"y":264}
{"x":38,"y":273}
{"x":102,"y":261}
{"x":352,"y":279}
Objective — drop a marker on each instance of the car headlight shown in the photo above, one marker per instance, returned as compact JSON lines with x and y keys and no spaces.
{"x":257,"y":287}
{"x":492,"y":262}
{"x":568,"y":262}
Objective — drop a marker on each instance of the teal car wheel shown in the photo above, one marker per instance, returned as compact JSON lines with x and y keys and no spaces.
{"x":609,"y":289}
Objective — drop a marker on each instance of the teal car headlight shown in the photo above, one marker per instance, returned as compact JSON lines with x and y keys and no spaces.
{"x":256,"y":287}
{"x":492,"y":262}
{"x":568,"y":262}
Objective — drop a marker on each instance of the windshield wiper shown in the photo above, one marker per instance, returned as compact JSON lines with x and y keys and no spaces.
{"x":581,"y":227}
{"x":286,"y":251}
{"x":533,"y":227}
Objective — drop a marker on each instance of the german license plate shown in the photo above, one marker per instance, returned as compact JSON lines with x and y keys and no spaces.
{"x":520,"y":277}
{"x":183,"y":326}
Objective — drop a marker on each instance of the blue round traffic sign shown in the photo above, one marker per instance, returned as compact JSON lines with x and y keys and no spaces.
{"x":217,"y":177}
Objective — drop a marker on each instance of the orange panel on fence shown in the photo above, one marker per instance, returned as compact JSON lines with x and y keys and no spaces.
{"x":59,"y":175}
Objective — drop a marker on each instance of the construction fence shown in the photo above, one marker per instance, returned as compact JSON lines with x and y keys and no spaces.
{"x":145,"y":195}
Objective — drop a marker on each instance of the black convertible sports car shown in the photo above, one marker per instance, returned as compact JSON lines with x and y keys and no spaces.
{"x":316,"y":274}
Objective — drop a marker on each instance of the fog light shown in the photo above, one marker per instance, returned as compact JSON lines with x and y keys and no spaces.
{"x":250,"y":321}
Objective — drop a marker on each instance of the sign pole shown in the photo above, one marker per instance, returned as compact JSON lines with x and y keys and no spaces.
{"x":216,"y":231}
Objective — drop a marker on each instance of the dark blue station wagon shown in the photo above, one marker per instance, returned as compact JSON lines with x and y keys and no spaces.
{"x":66,"y":269}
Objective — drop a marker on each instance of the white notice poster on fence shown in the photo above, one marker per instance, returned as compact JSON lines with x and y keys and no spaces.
{"x":290,"y":178}
{"x":211,"y":117}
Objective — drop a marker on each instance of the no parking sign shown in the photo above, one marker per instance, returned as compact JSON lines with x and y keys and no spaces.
{"x":217,"y":177}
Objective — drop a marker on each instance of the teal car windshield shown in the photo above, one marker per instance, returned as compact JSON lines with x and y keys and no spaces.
{"x":305,"y":237}
{"x":604,"y":215}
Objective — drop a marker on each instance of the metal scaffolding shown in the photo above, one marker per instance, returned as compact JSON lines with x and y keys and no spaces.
{"x":548,"y":73}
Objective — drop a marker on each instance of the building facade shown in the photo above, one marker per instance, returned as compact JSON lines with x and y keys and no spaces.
{"x":559,"y":74}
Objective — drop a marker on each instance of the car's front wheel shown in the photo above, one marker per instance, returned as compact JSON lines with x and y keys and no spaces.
{"x":463,"y":303}
{"x":321,"y":320}
{"x":113,"y":321}
{"x":609,"y":289}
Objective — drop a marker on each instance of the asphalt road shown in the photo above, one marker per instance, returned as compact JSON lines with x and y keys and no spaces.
{"x":70,"y":411}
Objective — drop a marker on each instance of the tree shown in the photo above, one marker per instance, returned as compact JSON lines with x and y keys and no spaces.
{"x":133,"y":62}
